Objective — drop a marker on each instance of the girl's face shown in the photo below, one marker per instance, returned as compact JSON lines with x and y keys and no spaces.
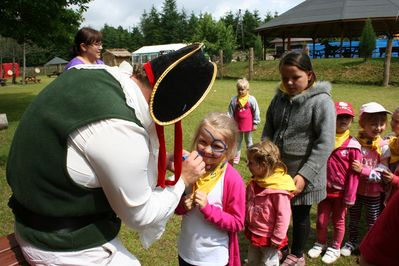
{"x":374,"y":126}
{"x":256,"y":169}
{"x":343,"y":123}
{"x":294,"y":79}
{"x":211,"y":146}
{"x":395,"y":123}
{"x":242,"y":91}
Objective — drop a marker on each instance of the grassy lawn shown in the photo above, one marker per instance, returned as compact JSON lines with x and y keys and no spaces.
{"x":15,"y":98}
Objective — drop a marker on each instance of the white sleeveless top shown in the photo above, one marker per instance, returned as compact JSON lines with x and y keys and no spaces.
{"x":201,"y":242}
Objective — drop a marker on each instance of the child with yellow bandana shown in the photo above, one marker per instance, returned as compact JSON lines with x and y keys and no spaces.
{"x":245,"y":111}
{"x":214,"y":208}
{"x":372,"y":122}
{"x":268,"y":210}
{"x":391,"y":177}
{"x":342,"y":182}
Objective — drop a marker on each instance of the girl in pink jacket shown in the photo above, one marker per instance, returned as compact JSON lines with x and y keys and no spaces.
{"x":214,"y":209}
{"x":342,"y":182}
{"x":268,"y":209}
{"x":375,"y":152}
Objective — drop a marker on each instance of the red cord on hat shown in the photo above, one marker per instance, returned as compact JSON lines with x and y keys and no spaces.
{"x":178,"y":155}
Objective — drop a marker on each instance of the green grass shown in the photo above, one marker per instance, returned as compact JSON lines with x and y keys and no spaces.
{"x":15,"y":98}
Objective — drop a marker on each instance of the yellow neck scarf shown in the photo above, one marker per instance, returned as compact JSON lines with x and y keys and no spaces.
{"x":394,"y":147}
{"x":209,"y":180}
{"x":242,"y":100}
{"x":278,"y":180}
{"x":373,"y":144}
{"x":340,"y":138}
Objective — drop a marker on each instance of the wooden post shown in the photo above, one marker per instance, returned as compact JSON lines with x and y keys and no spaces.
{"x":251,"y":63}
{"x":221,"y":64}
{"x":3,"y":121}
{"x":387,"y":62}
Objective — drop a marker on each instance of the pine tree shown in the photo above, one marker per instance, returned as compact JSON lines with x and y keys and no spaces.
{"x":367,"y":40}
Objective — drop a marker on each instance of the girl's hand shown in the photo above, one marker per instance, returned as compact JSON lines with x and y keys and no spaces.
{"x":300,"y":184}
{"x":357,"y":166}
{"x":189,"y":202}
{"x":200,"y":199}
{"x":254,"y":127}
{"x":387,"y":176}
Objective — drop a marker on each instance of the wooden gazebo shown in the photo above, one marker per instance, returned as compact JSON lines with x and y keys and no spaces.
{"x":331,"y":19}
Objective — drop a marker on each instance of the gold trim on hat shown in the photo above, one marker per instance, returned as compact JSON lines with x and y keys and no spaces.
{"x":154,"y":90}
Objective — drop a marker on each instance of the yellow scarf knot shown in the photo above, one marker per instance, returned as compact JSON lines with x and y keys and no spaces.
{"x":242,"y":100}
{"x":278,"y":180}
{"x":373,"y":144}
{"x":340,"y":138}
{"x":209,"y":180}
{"x":394,"y":148}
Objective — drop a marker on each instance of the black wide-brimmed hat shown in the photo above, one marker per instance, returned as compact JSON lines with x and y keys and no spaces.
{"x":180,"y":81}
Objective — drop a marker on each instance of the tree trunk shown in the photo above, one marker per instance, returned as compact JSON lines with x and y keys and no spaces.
{"x":387,"y":62}
{"x":221,"y":64}
{"x":251,"y":63}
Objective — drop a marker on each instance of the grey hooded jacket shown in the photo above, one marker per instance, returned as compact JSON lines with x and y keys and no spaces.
{"x":303,"y":127}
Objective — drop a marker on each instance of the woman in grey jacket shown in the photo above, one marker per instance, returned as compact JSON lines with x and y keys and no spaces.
{"x":300,"y":120}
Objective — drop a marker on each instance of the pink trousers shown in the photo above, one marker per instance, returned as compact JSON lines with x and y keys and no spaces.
{"x":336,"y":208}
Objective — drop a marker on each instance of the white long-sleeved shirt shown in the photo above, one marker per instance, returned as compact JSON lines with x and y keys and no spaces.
{"x":121,"y":157}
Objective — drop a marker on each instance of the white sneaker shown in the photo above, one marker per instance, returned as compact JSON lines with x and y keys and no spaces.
{"x":331,"y":255}
{"x":316,"y":250}
{"x":347,"y":249}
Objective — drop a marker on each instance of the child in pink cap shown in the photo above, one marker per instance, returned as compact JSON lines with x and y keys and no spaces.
{"x":342,"y":183}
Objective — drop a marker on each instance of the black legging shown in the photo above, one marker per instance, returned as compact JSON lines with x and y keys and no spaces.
{"x":300,"y":228}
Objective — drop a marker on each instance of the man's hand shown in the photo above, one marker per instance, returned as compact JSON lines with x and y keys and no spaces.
{"x":193,"y":167}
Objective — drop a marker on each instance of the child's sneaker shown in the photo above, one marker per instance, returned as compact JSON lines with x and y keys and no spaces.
{"x":347,"y":249}
{"x":331,"y":255}
{"x":316,"y":250}
{"x":293,"y":260}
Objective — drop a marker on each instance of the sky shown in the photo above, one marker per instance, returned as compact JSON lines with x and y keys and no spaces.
{"x":127,"y":13}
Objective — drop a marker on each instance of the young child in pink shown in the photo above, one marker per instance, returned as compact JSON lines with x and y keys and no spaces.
{"x":390,"y":177}
{"x":342,"y":183}
{"x":373,"y":120}
{"x":245,"y":111}
{"x":268,"y":210}
{"x":214,"y":209}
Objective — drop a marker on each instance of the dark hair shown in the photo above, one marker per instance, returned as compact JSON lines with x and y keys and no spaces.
{"x":87,"y":36}
{"x":299,"y":59}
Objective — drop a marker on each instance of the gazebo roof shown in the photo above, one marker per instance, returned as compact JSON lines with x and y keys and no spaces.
{"x":334,"y":18}
{"x":56,"y":61}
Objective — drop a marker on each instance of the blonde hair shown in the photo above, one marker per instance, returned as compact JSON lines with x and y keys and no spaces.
{"x":243,"y":83}
{"x":268,"y":153}
{"x":226,"y":126}
{"x":371,"y":117}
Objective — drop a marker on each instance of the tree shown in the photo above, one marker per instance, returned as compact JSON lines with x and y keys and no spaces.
{"x":367,"y":40}
{"x":171,"y":23}
{"x":258,"y":48}
{"x":150,"y":26}
{"x":41,"y":22}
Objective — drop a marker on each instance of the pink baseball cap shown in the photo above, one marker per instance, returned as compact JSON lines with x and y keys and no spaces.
{"x":344,"y":108}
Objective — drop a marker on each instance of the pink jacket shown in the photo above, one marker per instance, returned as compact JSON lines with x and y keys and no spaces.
{"x":340,"y":176}
{"x":231,"y":217}
{"x":370,"y":161}
{"x":268,"y":212}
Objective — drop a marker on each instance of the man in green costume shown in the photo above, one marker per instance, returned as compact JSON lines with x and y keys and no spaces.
{"x":89,"y":152}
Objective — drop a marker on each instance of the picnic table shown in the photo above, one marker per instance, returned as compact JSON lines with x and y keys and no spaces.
{"x":32,"y":79}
